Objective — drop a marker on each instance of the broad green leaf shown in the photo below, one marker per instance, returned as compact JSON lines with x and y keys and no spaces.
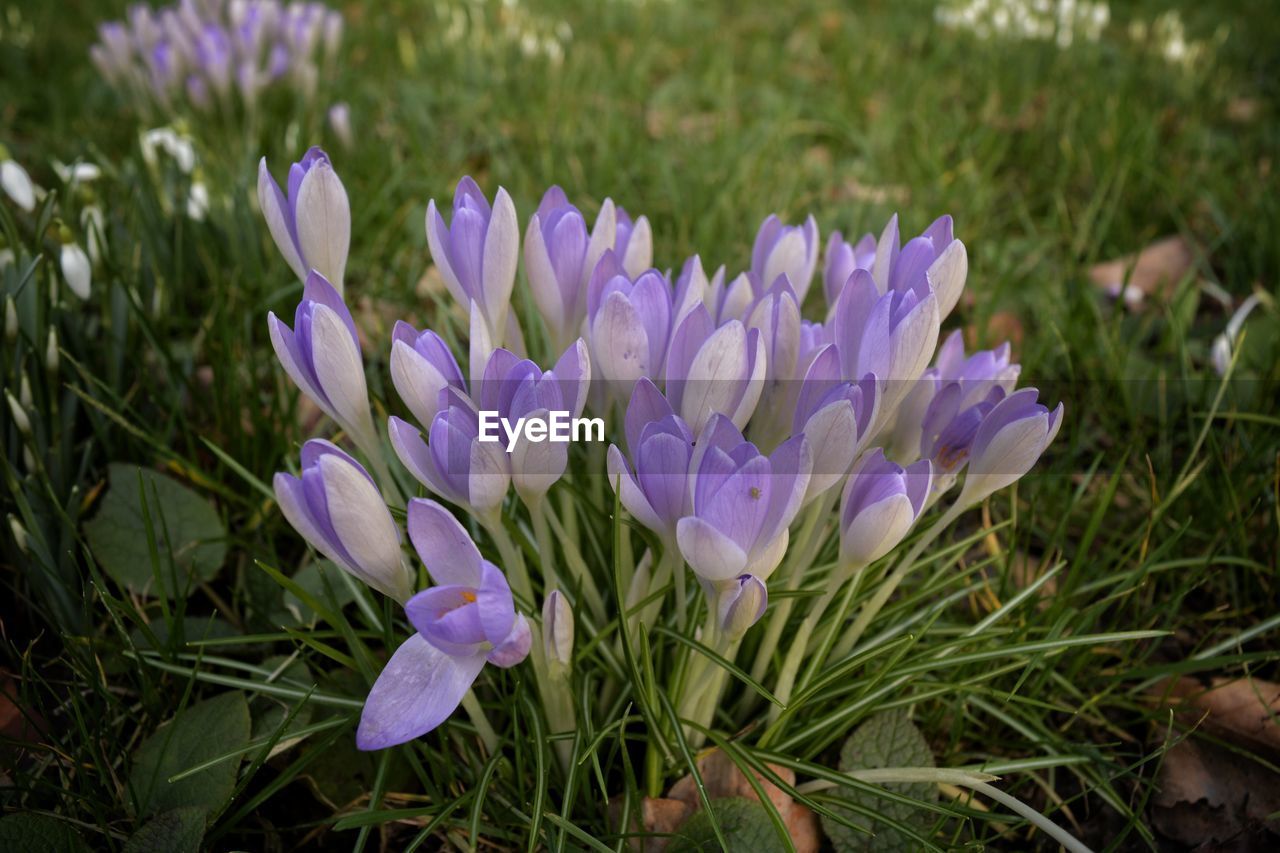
{"x":269,"y":713}
{"x":182,"y":522}
{"x":745,"y":824}
{"x":887,"y":739}
{"x":174,"y":831}
{"x":320,"y":578}
{"x":37,"y":833}
{"x":202,"y":732}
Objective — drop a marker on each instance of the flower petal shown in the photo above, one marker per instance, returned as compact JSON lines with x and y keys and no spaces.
{"x":419,"y":689}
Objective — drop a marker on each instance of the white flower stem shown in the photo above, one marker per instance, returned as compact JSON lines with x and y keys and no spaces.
{"x":478,"y":719}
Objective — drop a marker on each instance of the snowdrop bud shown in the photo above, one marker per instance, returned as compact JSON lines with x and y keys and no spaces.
{"x":741,"y":604}
{"x":10,"y":319}
{"x":24,"y":392}
{"x":340,"y":124}
{"x":51,"y":351}
{"x":557,"y":633}
{"x":16,"y":182}
{"x":20,"y":418}
{"x":20,"y":536}
{"x":76,"y":269}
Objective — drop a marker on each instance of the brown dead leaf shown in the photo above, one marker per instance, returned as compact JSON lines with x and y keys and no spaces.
{"x":1208,"y":795}
{"x":1243,"y":110}
{"x":1001,"y":326}
{"x":658,"y":815}
{"x":722,"y":778}
{"x":1153,"y":272}
{"x":1243,"y":711}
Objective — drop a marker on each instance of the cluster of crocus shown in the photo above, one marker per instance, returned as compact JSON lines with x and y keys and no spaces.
{"x":217,"y":54}
{"x":740,"y":426}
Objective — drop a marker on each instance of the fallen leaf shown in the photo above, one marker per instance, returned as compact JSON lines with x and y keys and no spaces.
{"x":722,"y":778}
{"x":1244,"y":711}
{"x":1208,"y":795}
{"x":1153,"y":272}
{"x":659,"y":815}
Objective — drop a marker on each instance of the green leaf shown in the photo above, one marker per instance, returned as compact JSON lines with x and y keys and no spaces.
{"x":887,"y":739}
{"x":174,"y":831}
{"x":203,"y":731}
{"x":181,"y":522}
{"x":745,"y":825}
{"x":319,"y":578}
{"x":37,"y":833}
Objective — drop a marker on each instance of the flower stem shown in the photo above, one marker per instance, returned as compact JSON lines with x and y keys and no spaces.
{"x":478,"y":719}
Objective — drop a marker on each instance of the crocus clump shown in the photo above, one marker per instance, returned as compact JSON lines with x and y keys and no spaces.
{"x":217,"y":55}
{"x":752,"y":425}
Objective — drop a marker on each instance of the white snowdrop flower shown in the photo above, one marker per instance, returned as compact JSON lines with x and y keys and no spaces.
{"x":197,"y":201}
{"x":19,"y":414}
{"x":51,"y":350}
{"x":20,"y":536}
{"x":10,"y":318}
{"x":17,"y":183}
{"x":76,"y":269}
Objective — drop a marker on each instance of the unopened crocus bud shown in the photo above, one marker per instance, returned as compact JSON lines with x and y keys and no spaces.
{"x":76,"y":268}
{"x":714,"y":370}
{"x":882,"y":500}
{"x":16,"y":182}
{"x":654,"y":488}
{"x":634,"y":243}
{"x":790,"y":250}
{"x":1010,"y":440}
{"x":841,"y":260}
{"x":336,"y":507}
{"x":422,"y":365}
{"x":557,"y":633}
{"x":321,"y":353}
{"x":629,"y":324}
{"x":340,"y":123}
{"x":477,"y":253}
{"x":559,"y":258}
{"x":740,"y":604}
{"x":20,"y":418}
{"x":312,"y":225}
{"x":836,"y":418}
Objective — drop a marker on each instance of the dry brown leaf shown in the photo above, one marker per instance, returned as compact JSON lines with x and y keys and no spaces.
{"x":1243,"y":110}
{"x":1208,"y":795}
{"x":1001,"y":326}
{"x":722,"y":778}
{"x":1153,"y":272}
{"x":1244,"y":711}
{"x":657,"y":815}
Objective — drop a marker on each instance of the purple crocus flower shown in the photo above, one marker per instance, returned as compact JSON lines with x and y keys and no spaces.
{"x":935,"y":262}
{"x":731,"y":301}
{"x":518,"y":389}
{"x":336,"y":507}
{"x":629,"y":324}
{"x":312,"y":225}
{"x":477,"y":252}
{"x":422,"y":366}
{"x":454,"y":463}
{"x":891,"y":335}
{"x":790,"y":250}
{"x":742,"y":503}
{"x":835,"y":416}
{"x":882,"y":500}
{"x":776,"y":314}
{"x":633,"y":243}
{"x":321,"y":353}
{"x":559,"y":257}
{"x":714,"y":370}
{"x":661,"y":446}
{"x":1010,"y":440}
{"x":740,"y":604}
{"x":841,"y":260}
{"x":466,"y":622}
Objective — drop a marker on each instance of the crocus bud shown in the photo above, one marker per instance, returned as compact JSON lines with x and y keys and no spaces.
{"x":16,"y":182}
{"x":841,"y":260}
{"x":76,"y":268}
{"x":454,"y":463}
{"x":661,"y":446}
{"x":422,"y":366}
{"x":730,"y":301}
{"x":312,"y":226}
{"x":629,"y":323}
{"x":321,"y":353}
{"x":557,"y":633}
{"x":776,"y":314}
{"x":790,"y":250}
{"x":712,"y":370}
{"x":338,"y":509}
{"x":882,"y":500}
{"x":836,"y":417}
{"x":634,"y":243}
{"x":742,"y":503}
{"x":478,"y":252}
{"x":935,"y":262}
{"x":559,"y":257}
{"x":740,"y":604}
{"x":1010,"y":440}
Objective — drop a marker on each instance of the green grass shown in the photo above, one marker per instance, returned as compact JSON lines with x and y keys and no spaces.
{"x":1157,"y":506}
